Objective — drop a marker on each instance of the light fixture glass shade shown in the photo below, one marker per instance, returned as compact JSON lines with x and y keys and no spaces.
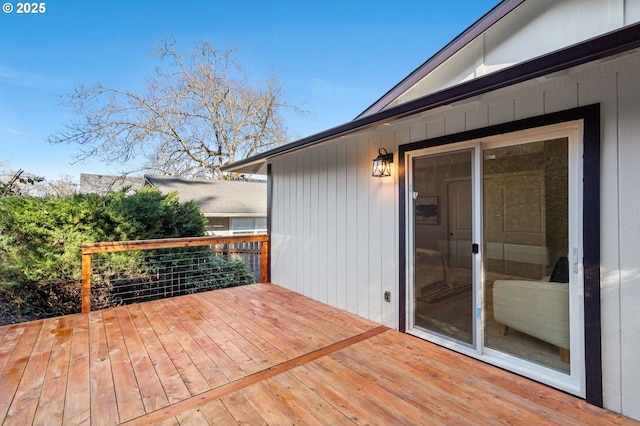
{"x":382,"y":164}
{"x":381,"y":168}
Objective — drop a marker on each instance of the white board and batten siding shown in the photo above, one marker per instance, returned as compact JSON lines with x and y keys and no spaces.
{"x":335,"y":229}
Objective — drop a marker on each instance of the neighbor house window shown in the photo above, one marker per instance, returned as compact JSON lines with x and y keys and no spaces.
{"x":248,"y":225}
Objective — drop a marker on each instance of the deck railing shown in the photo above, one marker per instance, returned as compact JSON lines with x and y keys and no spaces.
{"x":191,"y":266}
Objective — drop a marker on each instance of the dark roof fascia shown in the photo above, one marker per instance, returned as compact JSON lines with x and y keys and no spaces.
{"x":609,"y":44}
{"x":467,"y":36}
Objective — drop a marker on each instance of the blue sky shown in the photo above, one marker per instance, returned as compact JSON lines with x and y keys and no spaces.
{"x":333,"y":58}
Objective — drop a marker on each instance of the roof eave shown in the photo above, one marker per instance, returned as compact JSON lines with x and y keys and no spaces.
{"x":257,"y":167}
{"x":612,"y":43}
{"x":467,"y":36}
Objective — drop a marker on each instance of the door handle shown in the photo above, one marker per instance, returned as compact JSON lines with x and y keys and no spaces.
{"x":475,"y":249}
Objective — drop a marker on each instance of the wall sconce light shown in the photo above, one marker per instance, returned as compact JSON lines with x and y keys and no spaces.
{"x":382,"y":164}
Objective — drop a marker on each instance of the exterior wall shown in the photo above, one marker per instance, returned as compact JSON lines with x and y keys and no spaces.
{"x":623,"y":282}
{"x":335,"y":229}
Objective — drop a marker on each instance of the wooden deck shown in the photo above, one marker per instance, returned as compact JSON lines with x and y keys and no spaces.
{"x":257,"y":354}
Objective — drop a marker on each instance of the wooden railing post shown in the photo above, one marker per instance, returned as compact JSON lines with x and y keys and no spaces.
{"x":264,"y":261}
{"x":86,"y":282}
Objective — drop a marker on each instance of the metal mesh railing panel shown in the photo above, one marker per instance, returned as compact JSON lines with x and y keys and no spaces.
{"x":125,"y":277}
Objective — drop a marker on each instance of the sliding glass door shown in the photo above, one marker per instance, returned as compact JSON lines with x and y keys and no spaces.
{"x":494,"y":252}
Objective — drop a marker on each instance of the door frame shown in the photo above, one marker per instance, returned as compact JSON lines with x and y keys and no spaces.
{"x":590,"y":120}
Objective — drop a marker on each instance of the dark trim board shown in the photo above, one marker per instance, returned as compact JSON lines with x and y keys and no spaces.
{"x":591,"y":260}
{"x":591,"y":224}
{"x":269,"y":216}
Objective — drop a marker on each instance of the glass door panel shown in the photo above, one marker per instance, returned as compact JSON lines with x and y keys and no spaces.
{"x":443,"y":288}
{"x":525,"y":266}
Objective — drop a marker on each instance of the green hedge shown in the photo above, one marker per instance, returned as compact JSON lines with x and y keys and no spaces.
{"x":41,"y":239}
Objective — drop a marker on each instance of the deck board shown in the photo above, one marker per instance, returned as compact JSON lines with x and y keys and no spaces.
{"x":25,"y":401}
{"x":256,"y":354}
{"x":484,"y":381}
{"x":266,"y":315}
{"x":361,"y":392}
{"x":77,"y":400}
{"x":216,"y":413}
{"x":104,"y":406}
{"x":220,"y":346}
{"x":161,"y":368}
{"x":10,"y":337}
{"x":441,"y":404}
{"x":189,"y":374}
{"x":151,"y":391}
{"x":128,"y":395}
{"x":216,"y":367}
{"x":248,"y":334}
{"x":15,"y":366}
{"x":235,"y":343}
{"x":450,"y":391}
{"x":50,"y":406}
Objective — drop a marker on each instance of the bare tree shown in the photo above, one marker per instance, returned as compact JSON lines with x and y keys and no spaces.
{"x":65,"y":186}
{"x":198,"y":113}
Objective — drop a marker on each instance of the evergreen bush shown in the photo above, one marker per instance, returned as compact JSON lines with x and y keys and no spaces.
{"x":41,"y":243}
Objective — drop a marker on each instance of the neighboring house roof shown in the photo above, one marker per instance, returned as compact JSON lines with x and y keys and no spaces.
{"x":425,"y":89}
{"x":104,"y":184}
{"x":221,"y":198}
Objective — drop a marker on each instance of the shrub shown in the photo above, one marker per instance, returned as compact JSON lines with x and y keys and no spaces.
{"x":41,"y":243}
